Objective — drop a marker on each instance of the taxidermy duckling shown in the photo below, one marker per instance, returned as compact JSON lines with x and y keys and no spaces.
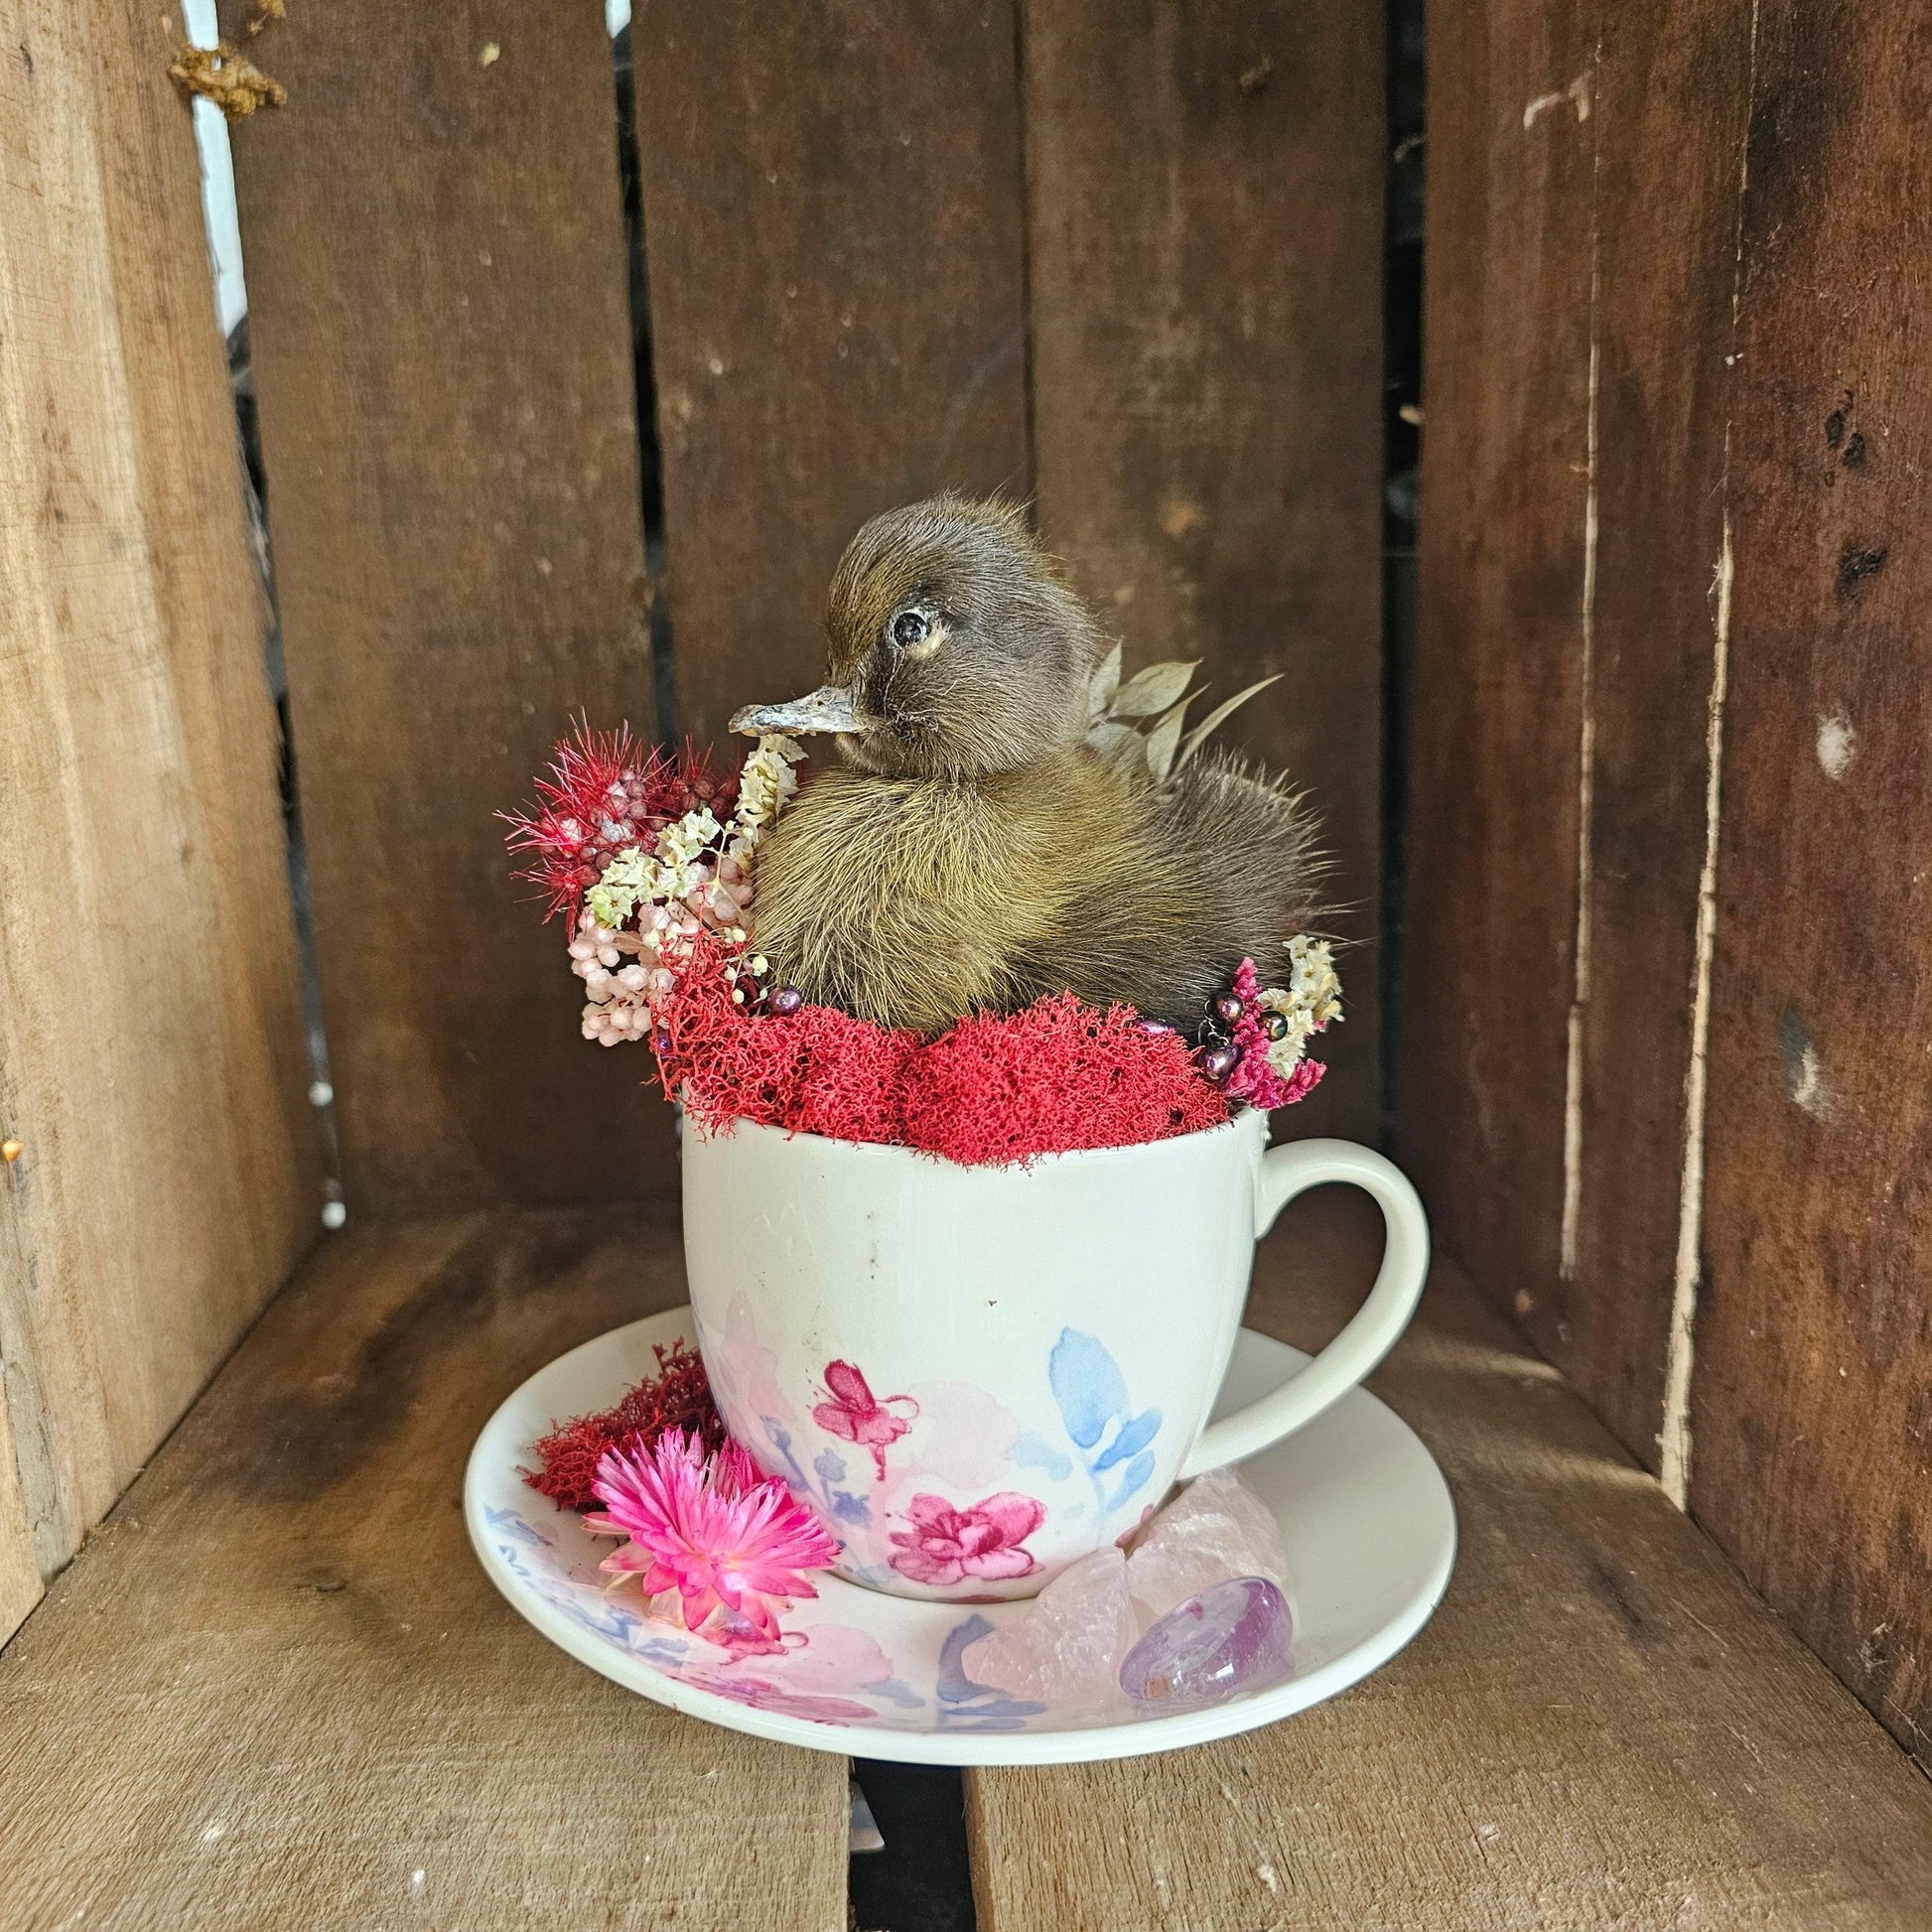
{"x":975,"y":851}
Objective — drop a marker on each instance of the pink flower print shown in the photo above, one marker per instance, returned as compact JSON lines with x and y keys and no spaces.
{"x":851,"y":1413}
{"x":764,"y":1695}
{"x":945,"y":1545}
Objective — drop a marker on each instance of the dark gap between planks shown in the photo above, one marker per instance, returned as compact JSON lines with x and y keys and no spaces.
{"x":651,"y":469}
{"x":255,"y":480}
{"x":1401,"y":470}
{"x":922,"y":1880}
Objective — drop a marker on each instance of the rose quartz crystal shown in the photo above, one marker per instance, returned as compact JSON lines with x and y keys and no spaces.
{"x":1067,"y":1646}
{"x":1217,"y":1528}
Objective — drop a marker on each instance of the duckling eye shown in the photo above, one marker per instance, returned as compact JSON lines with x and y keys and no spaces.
{"x":908,"y":629}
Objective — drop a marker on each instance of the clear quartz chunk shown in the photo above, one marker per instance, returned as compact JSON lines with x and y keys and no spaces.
{"x":1217,"y":1528}
{"x":1067,"y":1647}
{"x":1236,"y":1636}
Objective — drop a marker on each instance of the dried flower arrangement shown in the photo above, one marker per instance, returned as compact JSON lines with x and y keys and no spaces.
{"x":714,"y":1542}
{"x":653,"y":857}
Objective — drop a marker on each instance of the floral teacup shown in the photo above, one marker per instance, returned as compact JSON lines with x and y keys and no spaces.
{"x":978,"y":1375}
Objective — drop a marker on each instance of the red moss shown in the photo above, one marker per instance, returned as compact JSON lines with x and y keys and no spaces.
{"x":996,"y":1089}
{"x":814,"y":1072}
{"x":678,"y":1396}
{"x":1060,"y":1076}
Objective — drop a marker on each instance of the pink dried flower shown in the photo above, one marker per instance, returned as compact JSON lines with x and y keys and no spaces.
{"x":945,"y":1544}
{"x":733,"y":1542}
{"x":1254,"y":1078}
{"x":605,"y":793}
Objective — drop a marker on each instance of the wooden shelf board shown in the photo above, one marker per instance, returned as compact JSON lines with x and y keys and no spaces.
{"x":276,"y":1688}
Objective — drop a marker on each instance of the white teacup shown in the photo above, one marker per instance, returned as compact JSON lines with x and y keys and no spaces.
{"x":979,"y":1374}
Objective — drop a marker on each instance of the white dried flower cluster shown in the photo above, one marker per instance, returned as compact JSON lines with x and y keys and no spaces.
{"x":698,"y":877}
{"x":1310,"y":1000}
{"x":634,"y":877}
{"x":763,"y":786}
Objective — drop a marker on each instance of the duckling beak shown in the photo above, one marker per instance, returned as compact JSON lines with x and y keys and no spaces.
{"x":828,"y":709}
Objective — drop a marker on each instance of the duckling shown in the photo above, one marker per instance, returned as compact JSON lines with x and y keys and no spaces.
{"x":973,"y":851}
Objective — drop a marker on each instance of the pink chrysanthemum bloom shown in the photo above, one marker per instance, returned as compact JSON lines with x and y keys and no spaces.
{"x":716,"y":1530}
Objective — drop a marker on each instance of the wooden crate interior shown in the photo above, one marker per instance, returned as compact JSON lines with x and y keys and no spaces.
{"x":1630,"y":827}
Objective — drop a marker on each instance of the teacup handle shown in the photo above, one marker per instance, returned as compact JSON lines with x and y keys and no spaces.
{"x":1284,"y":1173}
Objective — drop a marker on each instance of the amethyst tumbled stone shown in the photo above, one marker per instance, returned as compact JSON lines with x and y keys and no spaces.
{"x":1233,"y":1638}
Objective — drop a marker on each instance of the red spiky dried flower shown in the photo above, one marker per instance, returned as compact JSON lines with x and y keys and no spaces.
{"x":606,"y":794}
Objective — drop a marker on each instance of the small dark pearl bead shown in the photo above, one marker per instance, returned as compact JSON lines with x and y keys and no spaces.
{"x":788,"y":999}
{"x":1152,"y":1027}
{"x":1218,"y":1062}
{"x":1274,"y":1026}
{"x":1229,"y":1007}
{"x":661,"y":1040}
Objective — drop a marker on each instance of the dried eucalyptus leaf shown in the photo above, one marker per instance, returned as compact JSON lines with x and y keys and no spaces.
{"x":1106,"y":681}
{"x":1219,"y":715}
{"x":1165,"y":739}
{"x":1118,"y":743}
{"x":1152,"y":690}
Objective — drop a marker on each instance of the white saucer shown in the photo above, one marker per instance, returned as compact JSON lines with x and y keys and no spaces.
{"x":1366,"y":1515}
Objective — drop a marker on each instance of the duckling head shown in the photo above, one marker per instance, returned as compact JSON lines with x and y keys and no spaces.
{"x":956,"y":647}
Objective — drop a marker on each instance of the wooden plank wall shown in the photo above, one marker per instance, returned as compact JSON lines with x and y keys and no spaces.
{"x":440,"y":321}
{"x":837,"y":218}
{"x":1206,"y":189}
{"x":834,"y":232}
{"x":150,"y":1058}
{"x":1811,"y":1414}
{"x":1670,"y":816}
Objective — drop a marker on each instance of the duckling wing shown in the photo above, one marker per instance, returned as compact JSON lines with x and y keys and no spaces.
{"x":899,"y":900}
{"x":1255,"y":845}
{"x":1181,"y":883}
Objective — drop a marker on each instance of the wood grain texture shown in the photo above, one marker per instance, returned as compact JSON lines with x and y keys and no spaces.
{"x":442,"y":352}
{"x":277,"y":1689}
{"x":1668,"y":87}
{"x":833,"y":221}
{"x":1205,"y":189}
{"x":1492,"y":833}
{"x":1812,"y":1423}
{"x":20,"y":1573}
{"x":151,"y":1061}
{"x":1602,"y":1725}
{"x":1567,"y":642}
